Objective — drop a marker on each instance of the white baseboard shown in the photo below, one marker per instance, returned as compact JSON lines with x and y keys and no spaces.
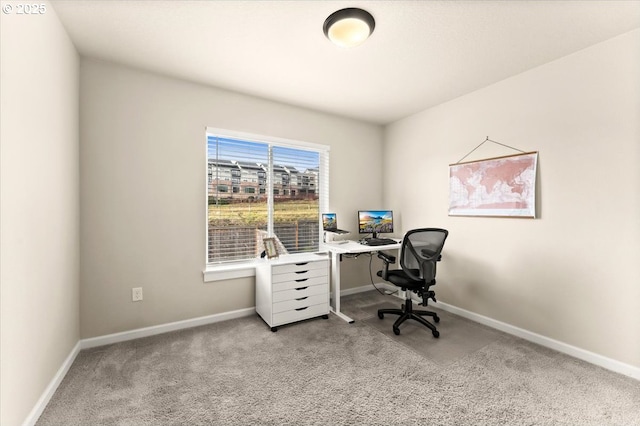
{"x":593,"y":358}
{"x":46,"y":396}
{"x":362,"y":289}
{"x":163,"y":328}
{"x":565,"y":348}
{"x":590,"y":357}
{"x":93,"y":342}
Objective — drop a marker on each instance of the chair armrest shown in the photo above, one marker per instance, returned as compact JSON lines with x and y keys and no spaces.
{"x":386,"y":257}
{"x":430,"y":254}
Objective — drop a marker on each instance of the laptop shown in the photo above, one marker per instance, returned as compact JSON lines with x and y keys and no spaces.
{"x":330,"y":223}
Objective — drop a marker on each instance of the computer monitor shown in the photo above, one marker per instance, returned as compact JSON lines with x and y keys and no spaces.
{"x":375,"y":222}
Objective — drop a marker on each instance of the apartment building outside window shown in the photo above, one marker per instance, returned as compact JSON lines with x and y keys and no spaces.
{"x":267,"y":198}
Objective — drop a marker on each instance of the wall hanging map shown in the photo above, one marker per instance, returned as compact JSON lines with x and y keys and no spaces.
{"x":501,"y":186}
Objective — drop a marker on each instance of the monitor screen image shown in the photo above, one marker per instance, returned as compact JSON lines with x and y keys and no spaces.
{"x":329,"y":221}
{"x":375,"y":222}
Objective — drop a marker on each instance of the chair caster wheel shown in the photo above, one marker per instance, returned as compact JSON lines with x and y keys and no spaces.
{"x":436,"y":318}
{"x":396,"y":331}
{"x":380,"y":315}
{"x":435,"y":333}
{"x":325,"y":317}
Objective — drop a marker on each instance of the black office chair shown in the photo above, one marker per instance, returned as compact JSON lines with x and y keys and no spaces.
{"x":420,"y":251}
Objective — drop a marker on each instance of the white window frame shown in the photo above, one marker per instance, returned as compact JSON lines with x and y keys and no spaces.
{"x":246,"y":268}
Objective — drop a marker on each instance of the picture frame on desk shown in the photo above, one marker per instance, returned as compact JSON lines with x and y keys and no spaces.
{"x":270,"y":248}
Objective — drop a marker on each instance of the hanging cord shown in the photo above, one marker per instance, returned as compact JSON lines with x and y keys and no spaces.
{"x":488,"y":140}
{"x":373,"y":284}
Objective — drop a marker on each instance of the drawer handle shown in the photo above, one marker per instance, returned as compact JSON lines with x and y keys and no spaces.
{"x":302,"y":288}
{"x":301,"y":272}
{"x":301,"y":280}
{"x":300,"y":264}
{"x":302,"y":309}
{"x":302,"y":298}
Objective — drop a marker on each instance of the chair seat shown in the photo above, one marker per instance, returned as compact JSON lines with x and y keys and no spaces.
{"x":400,"y":279}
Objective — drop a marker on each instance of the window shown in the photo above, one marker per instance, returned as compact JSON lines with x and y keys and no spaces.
{"x":270,"y":196}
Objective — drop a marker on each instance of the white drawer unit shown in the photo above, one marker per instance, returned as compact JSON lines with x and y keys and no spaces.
{"x":292,"y":288}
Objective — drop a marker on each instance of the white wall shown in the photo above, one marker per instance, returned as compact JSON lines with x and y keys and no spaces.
{"x":571,"y":274}
{"x":39,"y":209}
{"x":143,"y":191}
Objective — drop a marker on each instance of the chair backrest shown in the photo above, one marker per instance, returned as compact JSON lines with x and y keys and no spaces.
{"x":420,"y":251}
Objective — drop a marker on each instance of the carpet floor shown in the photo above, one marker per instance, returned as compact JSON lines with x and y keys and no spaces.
{"x":320,"y":372}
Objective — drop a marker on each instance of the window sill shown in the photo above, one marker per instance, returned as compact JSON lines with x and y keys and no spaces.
{"x":230,"y":271}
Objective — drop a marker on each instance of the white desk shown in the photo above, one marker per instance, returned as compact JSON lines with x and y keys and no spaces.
{"x":350,"y":247}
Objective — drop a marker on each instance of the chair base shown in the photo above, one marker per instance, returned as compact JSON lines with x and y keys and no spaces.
{"x":407,"y":312}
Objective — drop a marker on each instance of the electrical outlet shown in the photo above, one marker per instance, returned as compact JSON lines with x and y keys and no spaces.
{"x":136,"y":294}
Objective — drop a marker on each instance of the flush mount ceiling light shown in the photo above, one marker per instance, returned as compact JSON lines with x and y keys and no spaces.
{"x":349,"y":27}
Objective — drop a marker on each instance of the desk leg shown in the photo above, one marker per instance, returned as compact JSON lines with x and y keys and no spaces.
{"x":335,"y":278}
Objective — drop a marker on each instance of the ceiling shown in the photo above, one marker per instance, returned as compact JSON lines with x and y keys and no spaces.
{"x":422,"y":53}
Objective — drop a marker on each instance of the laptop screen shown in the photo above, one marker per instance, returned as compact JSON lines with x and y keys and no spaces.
{"x":329,"y":221}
